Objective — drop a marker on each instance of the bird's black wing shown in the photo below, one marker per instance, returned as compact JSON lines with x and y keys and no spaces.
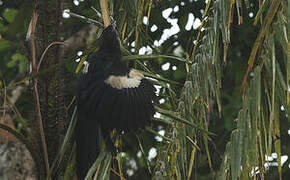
{"x":124,"y":104}
{"x":110,"y":96}
{"x":128,"y":105}
{"x":90,"y":94}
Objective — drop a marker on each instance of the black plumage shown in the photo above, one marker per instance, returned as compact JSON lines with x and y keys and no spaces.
{"x":110,"y":96}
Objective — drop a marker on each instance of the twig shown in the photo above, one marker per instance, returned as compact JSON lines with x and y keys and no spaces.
{"x":40,"y":124}
{"x":97,"y":12}
{"x":119,"y":165}
{"x":31,"y":37}
{"x":261,"y":18}
{"x":193,"y":142}
{"x":97,"y":172}
{"x":116,"y":173}
{"x":105,"y":12}
{"x":46,"y":49}
{"x":139,"y":57}
{"x":89,"y":20}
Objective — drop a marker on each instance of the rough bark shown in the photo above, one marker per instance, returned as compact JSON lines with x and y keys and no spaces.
{"x":51,"y":85}
{"x":16,"y":161}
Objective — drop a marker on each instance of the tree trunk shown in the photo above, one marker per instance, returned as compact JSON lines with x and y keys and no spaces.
{"x":51,"y":84}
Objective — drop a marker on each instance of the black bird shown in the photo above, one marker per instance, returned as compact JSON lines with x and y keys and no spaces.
{"x":110,"y":96}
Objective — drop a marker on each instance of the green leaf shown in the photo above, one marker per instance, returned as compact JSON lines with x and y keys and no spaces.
{"x":10,"y":14}
{"x":3,"y":28}
{"x":4,"y":45}
{"x":179,"y":73}
{"x":20,"y":60}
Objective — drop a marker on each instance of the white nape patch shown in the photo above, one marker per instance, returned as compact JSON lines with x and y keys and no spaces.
{"x":86,"y":68}
{"x":133,"y":80}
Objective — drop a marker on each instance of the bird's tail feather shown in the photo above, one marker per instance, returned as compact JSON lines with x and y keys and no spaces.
{"x":87,"y":147}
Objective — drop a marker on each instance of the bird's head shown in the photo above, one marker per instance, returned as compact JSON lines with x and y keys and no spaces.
{"x":109,"y":39}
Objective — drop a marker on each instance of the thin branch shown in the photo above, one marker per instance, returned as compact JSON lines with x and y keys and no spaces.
{"x":40,"y":124}
{"x":89,"y":20}
{"x":32,"y":49}
{"x":116,"y":173}
{"x":105,"y":12}
{"x":97,"y":172}
{"x":134,"y":57}
{"x":97,"y":12}
{"x":46,"y":49}
{"x":193,"y":142}
{"x":261,"y":18}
